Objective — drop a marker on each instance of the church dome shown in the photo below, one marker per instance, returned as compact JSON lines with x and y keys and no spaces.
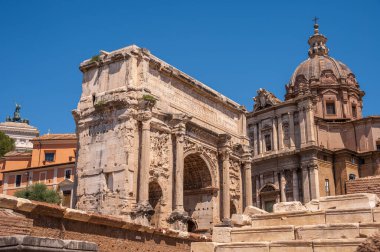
{"x":318,"y":69}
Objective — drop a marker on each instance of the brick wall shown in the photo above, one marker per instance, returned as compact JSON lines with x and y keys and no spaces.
{"x":364,"y":185}
{"x":108,"y":232}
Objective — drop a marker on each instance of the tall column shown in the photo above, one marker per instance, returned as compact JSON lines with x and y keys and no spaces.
{"x":291,"y":130}
{"x":310,"y":131}
{"x":274,"y":128}
{"x":55,"y":178}
{"x":305,"y":184}
{"x":314,"y":181}
{"x":302,"y":126}
{"x":261,"y":180}
{"x":179,"y":166}
{"x":226,"y":182}
{"x":255,"y":140}
{"x":282,"y":188}
{"x":296,"y":196}
{"x":258,"y":192}
{"x":276,"y":182}
{"x":247,"y":162}
{"x":280,"y":133}
{"x":144,"y":162}
{"x":5,"y":186}
{"x":260,"y":143}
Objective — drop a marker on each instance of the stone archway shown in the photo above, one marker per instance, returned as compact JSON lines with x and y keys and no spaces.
{"x":269,"y":195}
{"x":155,"y":199}
{"x":198,"y":192}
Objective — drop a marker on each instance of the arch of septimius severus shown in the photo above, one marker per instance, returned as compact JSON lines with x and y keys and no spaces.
{"x":163,"y":149}
{"x":158,"y":145}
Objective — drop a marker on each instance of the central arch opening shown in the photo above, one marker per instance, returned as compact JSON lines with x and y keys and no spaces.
{"x":198,"y":193}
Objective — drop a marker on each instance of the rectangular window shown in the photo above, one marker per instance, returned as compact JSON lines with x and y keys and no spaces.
{"x":268,"y":142}
{"x":327,"y":187}
{"x":68,"y":174}
{"x":330,"y":108}
{"x":18,"y":180}
{"x":354,"y":114}
{"x":49,"y":156}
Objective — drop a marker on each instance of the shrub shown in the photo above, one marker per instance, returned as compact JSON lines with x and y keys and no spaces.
{"x":39,"y":192}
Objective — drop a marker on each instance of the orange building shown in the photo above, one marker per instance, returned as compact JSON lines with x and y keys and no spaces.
{"x":51,"y":161}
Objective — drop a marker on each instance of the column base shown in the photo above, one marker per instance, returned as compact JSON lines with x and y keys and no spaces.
{"x":178,"y":220}
{"x":226,"y":222}
{"x":142,"y":213}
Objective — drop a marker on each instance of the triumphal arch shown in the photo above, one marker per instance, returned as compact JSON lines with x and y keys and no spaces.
{"x":158,"y":146}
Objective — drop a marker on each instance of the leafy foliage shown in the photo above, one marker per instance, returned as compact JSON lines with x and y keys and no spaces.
{"x":39,"y":192}
{"x":7,"y":144}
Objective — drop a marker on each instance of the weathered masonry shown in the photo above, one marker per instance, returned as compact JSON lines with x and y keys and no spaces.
{"x":157,"y":145}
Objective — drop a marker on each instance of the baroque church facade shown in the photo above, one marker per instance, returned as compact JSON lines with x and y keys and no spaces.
{"x":309,"y":145}
{"x":163,"y":149}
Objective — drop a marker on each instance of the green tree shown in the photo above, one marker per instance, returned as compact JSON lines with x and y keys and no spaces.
{"x":7,"y":144}
{"x":39,"y":192}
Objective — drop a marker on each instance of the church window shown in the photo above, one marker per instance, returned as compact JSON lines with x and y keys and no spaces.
{"x":354,"y":113}
{"x":327,"y":187}
{"x":330,"y":108}
{"x":18,"y":180}
{"x":268,"y":142}
{"x":49,"y":156}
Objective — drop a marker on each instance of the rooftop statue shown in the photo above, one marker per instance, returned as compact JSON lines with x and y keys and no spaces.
{"x":17,"y":116}
{"x":264,"y":99}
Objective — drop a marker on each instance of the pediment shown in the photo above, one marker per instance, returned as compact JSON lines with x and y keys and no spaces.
{"x":329,"y":91}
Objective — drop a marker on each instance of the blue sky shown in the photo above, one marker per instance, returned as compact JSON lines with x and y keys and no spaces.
{"x":234,"y":47}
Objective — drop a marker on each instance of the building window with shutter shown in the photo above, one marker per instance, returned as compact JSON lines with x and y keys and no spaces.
{"x":354,"y":113}
{"x":330,"y":108}
{"x":18,"y":180}
{"x":268,"y":142}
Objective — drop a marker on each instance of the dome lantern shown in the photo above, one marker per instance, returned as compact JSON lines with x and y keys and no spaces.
{"x":317,"y":42}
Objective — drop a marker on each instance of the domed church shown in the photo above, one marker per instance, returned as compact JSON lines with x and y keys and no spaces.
{"x":309,"y":145}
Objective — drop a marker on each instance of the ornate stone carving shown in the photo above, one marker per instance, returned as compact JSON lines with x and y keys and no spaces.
{"x":159,"y":165}
{"x":235,"y":179}
{"x":264,"y":99}
{"x":328,"y":77}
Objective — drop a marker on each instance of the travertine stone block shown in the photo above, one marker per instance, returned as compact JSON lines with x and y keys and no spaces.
{"x":376,"y":214}
{"x":221,"y":234}
{"x":337,"y":245}
{"x":291,"y":218}
{"x":349,"y":216}
{"x":349,"y":201}
{"x":7,"y":201}
{"x":78,"y":215}
{"x":241,"y":220}
{"x":251,"y":210}
{"x":25,"y":205}
{"x":291,"y":246}
{"x":243,"y":247}
{"x":368,"y":229}
{"x":273,"y":233}
{"x":231,"y":247}
{"x":288,"y":207}
{"x":312,"y":205}
{"x":327,"y":231}
{"x":203,"y":246}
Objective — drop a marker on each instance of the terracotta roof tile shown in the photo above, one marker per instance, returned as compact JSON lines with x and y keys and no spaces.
{"x":17,"y":154}
{"x":56,"y":137}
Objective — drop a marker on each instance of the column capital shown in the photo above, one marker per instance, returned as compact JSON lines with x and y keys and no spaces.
{"x":144,"y":116}
{"x":225,"y":153}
